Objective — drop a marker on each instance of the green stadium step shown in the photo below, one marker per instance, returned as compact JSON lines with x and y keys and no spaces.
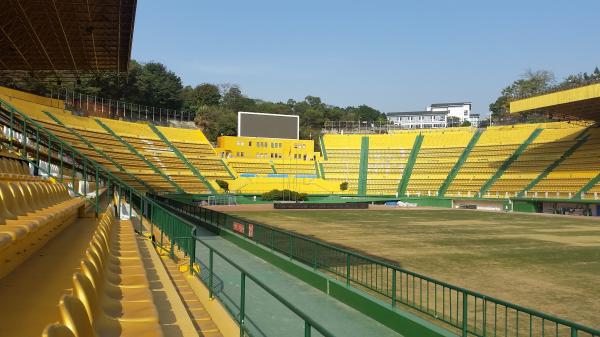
{"x":100,"y":152}
{"x":322,"y":146}
{"x":509,"y":161}
{"x":587,"y":187}
{"x":461,"y":160}
{"x":182,"y":157}
{"x":139,"y":155}
{"x":231,"y":175}
{"x":322,"y":168}
{"x":580,"y":141}
{"x":412,"y":158}
{"x":364,"y":166}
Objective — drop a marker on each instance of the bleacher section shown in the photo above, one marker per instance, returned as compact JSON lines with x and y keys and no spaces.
{"x":494,"y":147}
{"x":32,"y":211}
{"x":549,"y":146}
{"x":197,"y":150}
{"x":250,"y":165}
{"x":438,"y":154}
{"x":343,"y":160}
{"x":133,"y":151}
{"x":387,"y":159}
{"x":110,"y":292}
{"x":574,"y":172}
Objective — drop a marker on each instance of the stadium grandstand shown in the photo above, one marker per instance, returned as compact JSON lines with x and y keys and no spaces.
{"x":105,"y":228}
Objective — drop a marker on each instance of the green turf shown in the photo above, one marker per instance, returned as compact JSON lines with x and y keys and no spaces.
{"x":548,"y":263}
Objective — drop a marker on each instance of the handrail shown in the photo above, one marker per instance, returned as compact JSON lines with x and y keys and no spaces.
{"x":468,"y":326}
{"x":309,"y":322}
{"x":117,"y":109}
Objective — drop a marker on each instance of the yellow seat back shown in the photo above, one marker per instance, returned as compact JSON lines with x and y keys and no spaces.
{"x":75,"y":317}
{"x":84,"y":290}
{"x":57,"y":330}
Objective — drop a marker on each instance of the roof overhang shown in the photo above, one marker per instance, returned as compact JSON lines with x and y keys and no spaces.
{"x":582,"y":103}
{"x":66,"y":35}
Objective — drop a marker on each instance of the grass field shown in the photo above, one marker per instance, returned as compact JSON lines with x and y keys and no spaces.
{"x":548,"y":263}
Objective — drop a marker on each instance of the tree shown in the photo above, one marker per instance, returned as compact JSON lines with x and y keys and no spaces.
{"x":223,"y":185}
{"x":530,"y":83}
{"x":466,"y":123}
{"x":158,"y":86}
{"x":235,"y":101}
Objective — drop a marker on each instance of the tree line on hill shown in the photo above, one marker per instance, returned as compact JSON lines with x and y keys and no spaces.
{"x":216,"y":105}
{"x":537,"y":82}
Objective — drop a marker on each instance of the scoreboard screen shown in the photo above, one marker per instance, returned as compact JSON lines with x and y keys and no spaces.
{"x":253,"y":124}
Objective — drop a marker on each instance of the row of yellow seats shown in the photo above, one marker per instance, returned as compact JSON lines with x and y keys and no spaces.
{"x":110,"y":292}
{"x":30,"y":214}
{"x":14,"y":169}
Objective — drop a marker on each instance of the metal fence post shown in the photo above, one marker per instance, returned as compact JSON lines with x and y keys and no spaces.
{"x":393,"y":288}
{"x":210,"y":273}
{"x":242,"y":302}
{"x":347,"y":269}
{"x":464,"y":315}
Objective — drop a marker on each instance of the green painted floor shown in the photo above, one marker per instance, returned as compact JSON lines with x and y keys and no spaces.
{"x":265,"y":316}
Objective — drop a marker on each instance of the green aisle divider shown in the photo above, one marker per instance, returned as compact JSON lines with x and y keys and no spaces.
{"x":551,"y":167}
{"x":317,"y":169}
{"x":518,"y":152}
{"x":273,"y":167}
{"x":100,"y":152}
{"x":139,"y":155}
{"x":322,"y":146}
{"x":587,"y":187}
{"x":182,"y":157}
{"x":461,"y":160}
{"x":231,"y":175}
{"x":364,"y":166}
{"x":322,"y":170}
{"x":412,"y":158}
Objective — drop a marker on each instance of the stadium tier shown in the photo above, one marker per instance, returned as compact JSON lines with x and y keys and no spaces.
{"x":147,"y":157}
{"x":547,"y":160}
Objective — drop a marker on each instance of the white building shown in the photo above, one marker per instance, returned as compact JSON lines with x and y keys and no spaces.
{"x":438,"y":115}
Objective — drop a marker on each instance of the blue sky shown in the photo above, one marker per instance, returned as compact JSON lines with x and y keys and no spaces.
{"x":392,"y":55}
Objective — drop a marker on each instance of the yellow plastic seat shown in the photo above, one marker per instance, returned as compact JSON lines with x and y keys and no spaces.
{"x":140,"y":310}
{"x":75,"y":317}
{"x":57,"y":330}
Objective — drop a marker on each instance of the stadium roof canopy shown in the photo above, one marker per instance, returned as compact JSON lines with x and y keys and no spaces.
{"x":581,"y":103}
{"x":66,"y":35}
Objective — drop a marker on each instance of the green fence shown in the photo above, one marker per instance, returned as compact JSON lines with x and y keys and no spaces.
{"x":467,"y":312}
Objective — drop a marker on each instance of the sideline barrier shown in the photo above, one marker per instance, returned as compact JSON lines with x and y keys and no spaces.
{"x":324,"y":205}
{"x":467,"y":312}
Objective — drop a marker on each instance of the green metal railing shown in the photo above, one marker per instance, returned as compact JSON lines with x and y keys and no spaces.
{"x":468,"y":312}
{"x":240,"y":312}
